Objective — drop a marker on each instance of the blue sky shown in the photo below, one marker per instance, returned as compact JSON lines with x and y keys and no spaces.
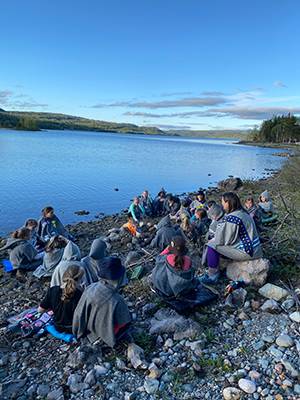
{"x":172,"y":64}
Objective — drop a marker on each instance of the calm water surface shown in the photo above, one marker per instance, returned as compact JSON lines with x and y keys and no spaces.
{"x":80,"y":170}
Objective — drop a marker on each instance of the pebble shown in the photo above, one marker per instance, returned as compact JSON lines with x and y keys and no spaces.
{"x":284,"y":341}
{"x":247,"y":386}
{"x":151,"y":385}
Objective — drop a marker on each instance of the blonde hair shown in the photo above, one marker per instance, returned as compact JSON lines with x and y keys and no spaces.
{"x":22,"y":233}
{"x":56,"y":242}
{"x":136,"y":198}
{"x":70,"y":277}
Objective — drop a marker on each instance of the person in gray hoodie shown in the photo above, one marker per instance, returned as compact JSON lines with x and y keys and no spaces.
{"x":21,"y":253}
{"x":236,"y":237}
{"x":173,"y":274}
{"x":102,"y":313}
{"x":265,"y":202}
{"x":54,"y":251}
{"x":216,"y":213}
{"x":71,"y":256}
{"x":164,"y":234}
{"x":159,"y":201}
{"x":94,"y":261}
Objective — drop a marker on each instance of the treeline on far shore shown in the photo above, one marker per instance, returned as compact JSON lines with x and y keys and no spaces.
{"x":278,"y":129}
{"x":35,"y":121}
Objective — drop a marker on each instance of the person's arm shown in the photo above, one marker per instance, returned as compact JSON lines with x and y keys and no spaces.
{"x":131,"y":209}
{"x":42,"y":310}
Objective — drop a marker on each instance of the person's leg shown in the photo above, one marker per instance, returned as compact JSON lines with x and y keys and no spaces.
{"x":212,"y":261}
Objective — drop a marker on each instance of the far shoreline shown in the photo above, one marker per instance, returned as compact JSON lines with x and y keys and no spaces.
{"x":282,"y":146}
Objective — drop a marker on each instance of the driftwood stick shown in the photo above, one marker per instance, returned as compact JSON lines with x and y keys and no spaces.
{"x":277,"y":230}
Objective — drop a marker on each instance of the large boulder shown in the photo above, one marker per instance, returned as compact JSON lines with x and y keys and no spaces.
{"x":253,"y":272}
{"x":165,"y":320}
{"x":230,"y":184}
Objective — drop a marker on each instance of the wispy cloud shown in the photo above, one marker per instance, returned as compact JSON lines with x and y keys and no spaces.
{"x":252,"y":113}
{"x":213,"y":94}
{"x":256,"y":87}
{"x":28,"y":104}
{"x":278,"y":83}
{"x":188,"y":102}
{"x":175,"y":94}
{"x":240,"y":90}
{"x":167,"y":127}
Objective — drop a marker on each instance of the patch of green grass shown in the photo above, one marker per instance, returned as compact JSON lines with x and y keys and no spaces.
{"x":243,"y":350}
{"x":144,"y":340}
{"x":209,"y":334}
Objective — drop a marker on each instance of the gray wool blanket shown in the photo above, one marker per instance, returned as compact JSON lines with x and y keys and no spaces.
{"x":99,"y":309}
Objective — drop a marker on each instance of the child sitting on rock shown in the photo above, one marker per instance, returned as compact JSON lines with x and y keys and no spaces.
{"x":265,"y":203}
{"x":255,"y":211}
{"x":173,"y":273}
{"x":136,"y":210}
{"x":49,"y":225}
{"x":199,"y":202}
{"x":202,"y":222}
{"x":216,"y":213}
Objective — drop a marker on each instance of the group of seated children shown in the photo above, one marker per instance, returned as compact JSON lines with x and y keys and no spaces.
{"x":84,"y":291}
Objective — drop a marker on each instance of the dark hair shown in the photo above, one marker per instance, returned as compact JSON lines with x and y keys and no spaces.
{"x":179,"y":263}
{"x":250,"y":198}
{"x":31,"y":222}
{"x":56,"y":242}
{"x":47,"y":209}
{"x":201,"y":212}
{"x":186,"y":203}
{"x":210,"y":203}
{"x":70,"y":277}
{"x":171,"y":198}
{"x":234,"y":202}
{"x":22,"y":233}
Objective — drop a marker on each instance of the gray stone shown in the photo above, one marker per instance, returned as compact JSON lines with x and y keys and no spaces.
{"x":259,"y":345}
{"x":232,"y":393}
{"x":112,"y":386}
{"x":273,"y":292}
{"x":78,"y":387}
{"x":8,"y":388}
{"x":198,"y":344}
{"x":188,"y":387}
{"x":32,"y":389}
{"x":131,"y":257}
{"x":129,"y":396}
{"x":271,"y":306}
{"x":253,"y":272}
{"x":165,"y":321}
{"x":295,"y":316}
{"x":151,"y":386}
{"x":268,"y":339}
{"x":42,"y":390}
{"x":239,"y":297}
{"x":114,"y":237}
{"x":83,"y":355}
{"x":263,"y":363}
{"x":188,"y":329}
{"x":284,"y":341}
{"x":100,"y":370}
{"x":55,"y":394}
{"x":275,"y":352}
{"x":155,"y":372}
{"x":4,"y":359}
{"x":229,"y":184}
{"x":149,"y":309}
{"x":121,"y":365}
{"x":288,"y":304}
{"x":297,"y":389}
{"x":247,"y":386}
{"x":265,"y":392}
{"x":136,"y":356}
{"x":90,"y":378}
{"x":167,"y":377}
{"x":288,"y":365}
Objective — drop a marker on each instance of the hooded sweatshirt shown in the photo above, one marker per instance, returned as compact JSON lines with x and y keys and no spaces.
{"x":170,"y":281}
{"x":172,"y":209}
{"x":71,"y":256}
{"x":164,"y":234}
{"x":21,"y":254}
{"x":147,"y":204}
{"x":93,"y":262}
{"x":218,"y":211}
{"x":50,"y":262}
{"x":158,"y":204}
{"x":268,"y":206}
{"x":237,"y":238}
{"x":99,"y":309}
{"x":48,"y":227}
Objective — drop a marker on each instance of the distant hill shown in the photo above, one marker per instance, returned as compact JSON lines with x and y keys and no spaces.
{"x":39,"y":120}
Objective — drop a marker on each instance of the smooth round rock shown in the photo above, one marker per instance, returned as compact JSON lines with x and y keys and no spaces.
{"x":295,"y":316}
{"x":284,"y":341}
{"x":247,"y":386}
{"x":232,"y":393}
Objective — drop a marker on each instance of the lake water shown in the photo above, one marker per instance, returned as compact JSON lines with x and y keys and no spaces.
{"x":80,"y":170}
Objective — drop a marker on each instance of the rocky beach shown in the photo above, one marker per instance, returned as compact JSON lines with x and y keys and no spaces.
{"x":245,"y":345}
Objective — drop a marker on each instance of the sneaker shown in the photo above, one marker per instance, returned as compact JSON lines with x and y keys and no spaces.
{"x":208,"y":279}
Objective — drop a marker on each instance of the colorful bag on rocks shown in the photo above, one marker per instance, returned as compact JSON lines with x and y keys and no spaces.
{"x":29,"y":322}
